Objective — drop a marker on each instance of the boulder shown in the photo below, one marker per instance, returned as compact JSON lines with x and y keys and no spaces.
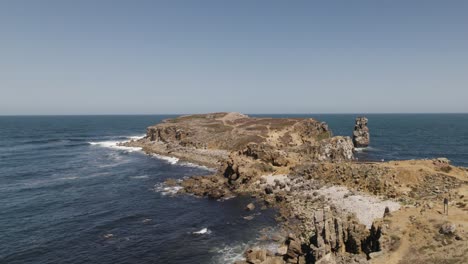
{"x":447,"y":228}
{"x":294,"y":247}
{"x":250,"y":207}
{"x":256,"y":255}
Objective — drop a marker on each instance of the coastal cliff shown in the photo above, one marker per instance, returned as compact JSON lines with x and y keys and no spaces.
{"x":331,"y":207}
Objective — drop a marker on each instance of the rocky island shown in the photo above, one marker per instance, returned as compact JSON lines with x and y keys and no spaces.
{"x":332,"y":208}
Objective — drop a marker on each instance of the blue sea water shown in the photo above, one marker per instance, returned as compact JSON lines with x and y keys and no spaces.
{"x":68,"y":196}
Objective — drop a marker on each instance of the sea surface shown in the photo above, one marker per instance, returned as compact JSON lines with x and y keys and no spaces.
{"x":68,"y":194}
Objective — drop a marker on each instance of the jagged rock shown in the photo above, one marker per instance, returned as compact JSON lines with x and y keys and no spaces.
{"x":336,"y":235}
{"x":294,"y":247}
{"x":335,"y":149}
{"x":209,"y":186}
{"x":256,"y":255}
{"x":361,"y":137}
{"x":266,"y":153}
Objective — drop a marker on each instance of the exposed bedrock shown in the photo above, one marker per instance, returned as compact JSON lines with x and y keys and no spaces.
{"x":256,"y":146}
{"x":336,"y":239}
{"x":361,"y":137}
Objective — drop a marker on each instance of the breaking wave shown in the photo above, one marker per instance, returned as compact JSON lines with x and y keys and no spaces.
{"x":171,"y":160}
{"x":230,"y":253}
{"x":114,"y":145}
{"x":167,"y":190}
{"x":202,"y":231}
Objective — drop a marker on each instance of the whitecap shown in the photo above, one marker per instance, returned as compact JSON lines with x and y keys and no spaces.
{"x":202,"y":231}
{"x":167,"y":190}
{"x":171,"y":160}
{"x":360,"y":149}
{"x":114,"y":145}
{"x":139,"y":177}
{"x":137,"y":137}
{"x":69,"y":178}
{"x":365,"y":149}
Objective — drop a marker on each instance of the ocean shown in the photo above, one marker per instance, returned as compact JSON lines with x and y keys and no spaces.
{"x":68,"y":194}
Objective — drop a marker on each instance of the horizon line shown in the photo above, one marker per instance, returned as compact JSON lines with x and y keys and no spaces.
{"x":180,"y":114}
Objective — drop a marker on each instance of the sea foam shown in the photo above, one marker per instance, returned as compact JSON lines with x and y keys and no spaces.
{"x":171,"y":160}
{"x":202,"y":231}
{"x":230,"y":253}
{"x":167,"y":190}
{"x":114,"y":145}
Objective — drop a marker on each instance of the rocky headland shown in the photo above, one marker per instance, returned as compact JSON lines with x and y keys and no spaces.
{"x":332,"y":208}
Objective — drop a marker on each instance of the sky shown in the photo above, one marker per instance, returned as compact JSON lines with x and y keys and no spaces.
{"x":173,"y":57}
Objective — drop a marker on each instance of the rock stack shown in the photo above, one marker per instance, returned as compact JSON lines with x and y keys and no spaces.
{"x":361,"y":136}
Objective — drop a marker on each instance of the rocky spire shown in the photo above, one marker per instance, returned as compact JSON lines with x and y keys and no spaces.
{"x":361,"y":136}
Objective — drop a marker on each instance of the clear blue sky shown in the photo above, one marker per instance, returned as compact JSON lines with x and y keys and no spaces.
{"x":149,"y":57}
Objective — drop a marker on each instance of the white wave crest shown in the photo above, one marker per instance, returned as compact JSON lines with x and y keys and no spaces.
{"x":140,"y":177}
{"x":202,"y":231}
{"x":137,"y":137}
{"x":114,"y":145}
{"x":171,"y":160}
{"x":366,"y":149}
{"x":69,"y":178}
{"x":167,"y":190}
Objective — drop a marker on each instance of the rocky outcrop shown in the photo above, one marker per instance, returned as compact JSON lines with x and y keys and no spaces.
{"x":372,"y":178}
{"x":334,"y":240}
{"x":210,"y":186}
{"x":266,"y":153}
{"x":335,"y":149}
{"x":212,"y":139}
{"x":448,"y":228}
{"x":244,"y":147}
{"x":361,"y":137}
{"x":234,"y":131}
{"x":336,"y":235}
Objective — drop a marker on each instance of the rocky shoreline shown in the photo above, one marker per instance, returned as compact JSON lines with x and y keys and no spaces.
{"x":331,"y":208}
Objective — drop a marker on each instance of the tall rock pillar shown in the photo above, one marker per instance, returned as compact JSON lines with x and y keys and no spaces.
{"x":361,"y":136}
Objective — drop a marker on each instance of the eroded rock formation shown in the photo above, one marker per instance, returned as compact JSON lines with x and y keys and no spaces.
{"x":361,"y":137}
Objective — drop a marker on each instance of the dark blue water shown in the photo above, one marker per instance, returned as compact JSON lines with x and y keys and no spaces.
{"x":64,"y":200}
{"x":60,"y":197}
